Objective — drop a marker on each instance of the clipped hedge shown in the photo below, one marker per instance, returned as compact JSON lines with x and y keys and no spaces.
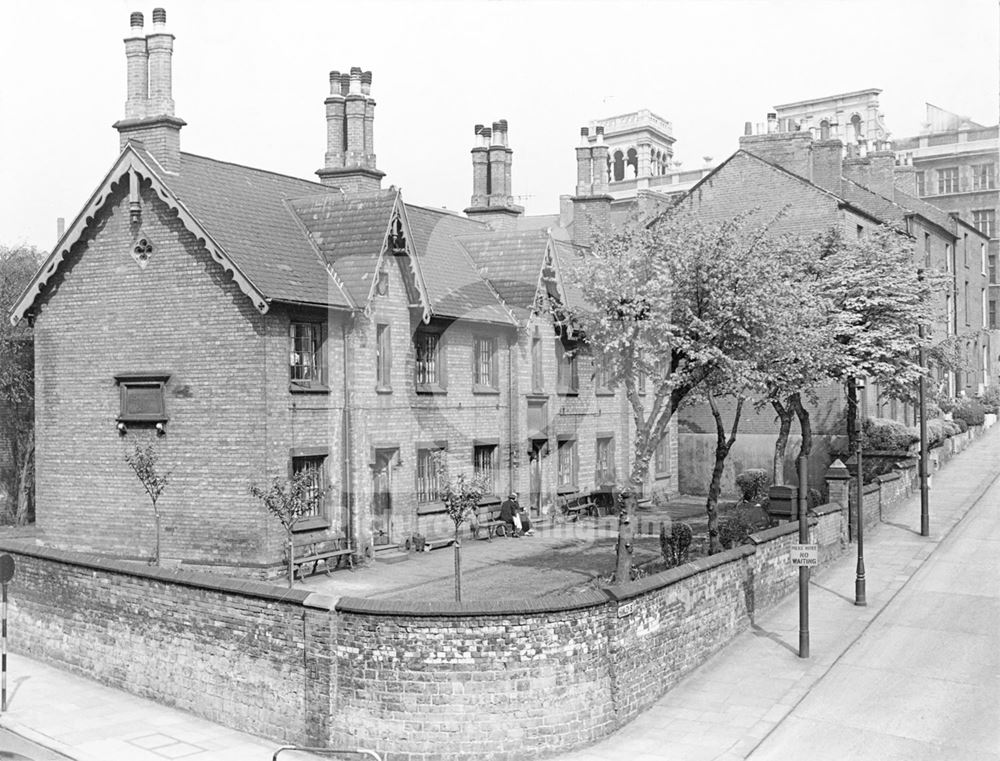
{"x":971,"y":411}
{"x":883,"y":434}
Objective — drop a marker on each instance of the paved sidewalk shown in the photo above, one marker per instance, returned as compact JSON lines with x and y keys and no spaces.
{"x":753,"y":699}
{"x":749,"y":700}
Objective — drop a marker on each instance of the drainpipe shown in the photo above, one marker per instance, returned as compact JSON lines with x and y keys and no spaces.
{"x":346,"y":426}
{"x":510,"y":415}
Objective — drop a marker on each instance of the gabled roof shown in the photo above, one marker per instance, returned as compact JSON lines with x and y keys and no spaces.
{"x":512,"y":261}
{"x":563,"y":254}
{"x":455,"y":287}
{"x":348,"y":232}
{"x":246,"y":211}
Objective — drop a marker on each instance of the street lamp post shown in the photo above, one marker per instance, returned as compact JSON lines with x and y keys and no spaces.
{"x":925,"y":518}
{"x":859,"y":581}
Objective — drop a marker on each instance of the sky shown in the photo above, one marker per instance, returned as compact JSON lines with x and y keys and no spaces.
{"x":250,"y":77}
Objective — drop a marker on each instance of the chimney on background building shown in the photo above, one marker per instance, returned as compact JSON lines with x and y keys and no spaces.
{"x":149,"y":108}
{"x":492,"y":158}
{"x":349,"y":162}
{"x":827,"y":164}
{"x":875,"y":171}
{"x":592,"y":202}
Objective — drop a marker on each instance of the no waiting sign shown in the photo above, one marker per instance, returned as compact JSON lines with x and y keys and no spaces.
{"x":805,"y":554}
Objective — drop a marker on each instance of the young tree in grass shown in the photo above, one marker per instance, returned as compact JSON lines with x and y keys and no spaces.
{"x":461,"y":495}
{"x":674,"y":300}
{"x":143,"y":461}
{"x":288,"y":499}
{"x":17,"y":386}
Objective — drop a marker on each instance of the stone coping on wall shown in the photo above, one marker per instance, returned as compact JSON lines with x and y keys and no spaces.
{"x":449,"y":609}
{"x":217,"y":583}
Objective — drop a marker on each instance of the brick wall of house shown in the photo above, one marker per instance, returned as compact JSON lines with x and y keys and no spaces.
{"x":179,"y":315}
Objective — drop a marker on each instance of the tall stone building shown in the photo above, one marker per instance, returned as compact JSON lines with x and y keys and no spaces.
{"x":955,"y":162}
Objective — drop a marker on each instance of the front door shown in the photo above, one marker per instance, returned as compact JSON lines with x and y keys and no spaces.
{"x":536,"y":454}
{"x":382,"y":496}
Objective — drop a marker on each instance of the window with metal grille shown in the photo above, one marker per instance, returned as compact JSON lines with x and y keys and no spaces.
{"x":567,"y":463}
{"x":947,"y":180}
{"x":428,"y":475}
{"x":484,"y":357}
{"x":484,"y":465}
{"x":315,"y":495}
{"x":305,"y":361}
{"x":567,"y":375}
{"x":383,"y":357}
{"x":605,"y":459}
{"x":428,"y":365}
{"x":661,"y":457}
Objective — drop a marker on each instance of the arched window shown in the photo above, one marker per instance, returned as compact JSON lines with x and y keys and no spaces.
{"x":824,"y":130}
{"x":856,"y":123}
{"x":619,"y":166}
{"x":633,"y":161}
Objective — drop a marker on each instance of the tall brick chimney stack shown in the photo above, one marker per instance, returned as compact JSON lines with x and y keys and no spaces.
{"x":350,"y":134}
{"x":592,"y":202}
{"x":492,"y":159}
{"x":149,"y":110}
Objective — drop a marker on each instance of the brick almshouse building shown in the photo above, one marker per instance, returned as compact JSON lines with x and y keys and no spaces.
{"x":253,"y":325}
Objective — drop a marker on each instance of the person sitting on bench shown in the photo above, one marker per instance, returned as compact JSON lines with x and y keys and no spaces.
{"x":512,"y":514}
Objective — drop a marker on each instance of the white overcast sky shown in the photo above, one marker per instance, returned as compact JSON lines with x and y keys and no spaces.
{"x":250,"y":77}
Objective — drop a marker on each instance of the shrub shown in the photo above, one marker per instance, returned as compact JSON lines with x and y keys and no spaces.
{"x":951,"y":428}
{"x":676,"y":545}
{"x":962,"y":425}
{"x":887,"y":435}
{"x":937,"y":432}
{"x":972,"y":411}
{"x":753,"y":485}
{"x":991,"y":399}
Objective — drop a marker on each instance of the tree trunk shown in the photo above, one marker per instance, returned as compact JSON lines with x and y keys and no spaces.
{"x":852,"y":416}
{"x":156,"y":518}
{"x":626,"y":529}
{"x":23,"y":497}
{"x":723,"y":445}
{"x":785,"y":415}
{"x":805,"y":424}
{"x":458,"y":565}
{"x":291,"y":560}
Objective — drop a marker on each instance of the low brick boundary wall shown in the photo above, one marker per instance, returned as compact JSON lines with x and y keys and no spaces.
{"x":503,"y":679}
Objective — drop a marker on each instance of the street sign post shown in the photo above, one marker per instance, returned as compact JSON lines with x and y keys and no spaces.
{"x":805,"y":554}
{"x":6,"y":574}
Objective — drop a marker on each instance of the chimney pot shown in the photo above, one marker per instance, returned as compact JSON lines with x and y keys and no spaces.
{"x":366,"y":77}
{"x":479,"y":128}
{"x":136,"y":20}
{"x":486,"y":132}
{"x":747,"y":128}
{"x":355,"y":71}
{"x":599,"y":130}
{"x":345,"y":84}
{"x":584,"y":131}
{"x":335,"y":76}
{"x":159,"y":16}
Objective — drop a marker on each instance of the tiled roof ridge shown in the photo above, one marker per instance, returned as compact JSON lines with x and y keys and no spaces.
{"x":447,"y":212}
{"x":489,"y":284}
{"x":318,"y":185}
{"x":327,"y":264}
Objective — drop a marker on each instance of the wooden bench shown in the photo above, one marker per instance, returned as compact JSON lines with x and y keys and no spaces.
{"x":309,"y":550}
{"x":488,"y":514}
{"x":573,"y":504}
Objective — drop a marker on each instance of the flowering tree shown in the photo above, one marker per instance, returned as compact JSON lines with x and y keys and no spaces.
{"x":142,"y":460}
{"x":288,"y":499}
{"x":674,"y":301}
{"x":880,"y":298}
{"x":461,"y":496}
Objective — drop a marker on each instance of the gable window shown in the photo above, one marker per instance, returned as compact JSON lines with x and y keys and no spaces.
{"x":141,"y":397}
{"x":383,"y":357}
{"x":921,"y":184}
{"x":428,"y":475}
{"x":567,"y":375}
{"x":605,"y":460}
{"x":314,"y":466}
{"x":661,"y":457}
{"x":947,"y":180}
{"x":567,"y":463}
{"x":985,"y":220}
{"x":484,"y":463}
{"x":306,"y":368}
{"x":484,"y":363}
{"x":537,"y":374}
{"x":428,"y":362}
{"x":984,"y":176}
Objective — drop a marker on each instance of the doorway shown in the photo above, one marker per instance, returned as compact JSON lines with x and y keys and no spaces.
{"x":537,"y":453}
{"x":382,"y":496}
